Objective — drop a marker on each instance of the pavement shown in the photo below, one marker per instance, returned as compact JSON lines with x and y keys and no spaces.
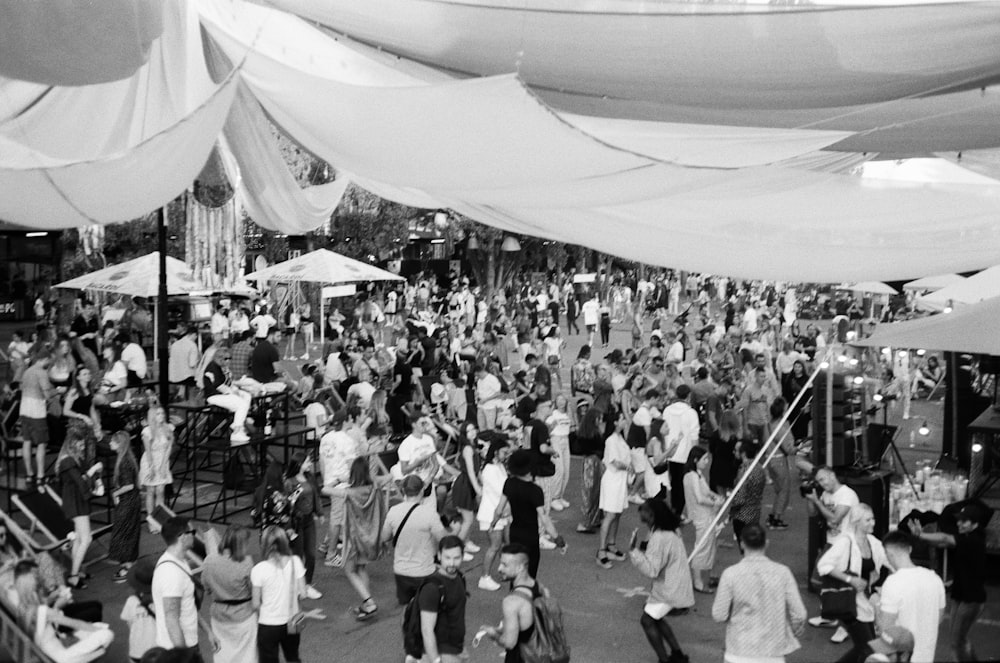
{"x":602,"y":607}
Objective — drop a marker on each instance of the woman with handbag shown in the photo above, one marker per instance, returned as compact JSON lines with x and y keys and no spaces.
{"x":854,"y":561}
{"x":278,"y":583}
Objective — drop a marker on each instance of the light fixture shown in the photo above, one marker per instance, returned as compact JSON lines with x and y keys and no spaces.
{"x":853,"y":362}
{"x":824,"y":365}
{"x":901,"y":353}
{"x":842,"y":358}
{"x":510,"y":243}
{"x":948,"y":309}
{"x":977,"y":448}
{"x":921,"y":352}
{"x":439,"y":240}
{"x":924,"y":429}
{"x":441,"y":219}
{"x":887,"y":351}
{"x":878,"y":398}
{"x":472,"y":244}
{"x":859,"y":380}
{"x":35,"y":234}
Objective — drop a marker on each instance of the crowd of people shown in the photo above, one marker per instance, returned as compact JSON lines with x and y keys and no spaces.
{"x":467,"y":407}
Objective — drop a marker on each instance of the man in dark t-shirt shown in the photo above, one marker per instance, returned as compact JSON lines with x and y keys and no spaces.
{"x":527,"y":508}
{"x":538,"y":436}
{"x":442,"y":605}
{"x":264,"y":358}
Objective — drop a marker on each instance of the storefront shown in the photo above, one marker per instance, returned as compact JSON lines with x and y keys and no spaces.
{"x":29,"y":265}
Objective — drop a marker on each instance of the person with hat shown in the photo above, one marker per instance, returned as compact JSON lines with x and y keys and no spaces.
{"x":895,"y":645}
{"x":968,"y":589}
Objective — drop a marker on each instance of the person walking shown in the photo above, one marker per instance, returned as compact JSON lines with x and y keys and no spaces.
{"x":414,"y":527}
{"x":759,"y":602}
{"x":493,"y":479}
{"x":614,"y":493}
{"x":442,"y":598}
{"x":226,"y":576}
{"x":303,"y":498}
{"x":968,"y":588}
{"x":856,"y":557}
{"x":912,"y":597}
{"x":746,"y":505}
{"x":278,"y":584}
{"x":683,"y":429}
{"x":781,"y":465}
{"x":663,"y":559}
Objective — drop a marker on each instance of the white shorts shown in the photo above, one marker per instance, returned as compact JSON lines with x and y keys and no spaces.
{"x":484,"y":525}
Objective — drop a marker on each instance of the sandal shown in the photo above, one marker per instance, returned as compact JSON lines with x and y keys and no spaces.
{"x":363,"y":615}
{"x":704,"y":590}
{"x":121,"y":575}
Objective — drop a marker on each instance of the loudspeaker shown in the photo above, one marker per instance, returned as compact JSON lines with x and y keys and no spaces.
{"x":877,"y":440}
{"x":872,"y":489}
{"x":989,"y":364}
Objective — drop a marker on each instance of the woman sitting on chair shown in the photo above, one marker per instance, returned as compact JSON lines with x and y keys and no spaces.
{"x":42,"y":621}
{"x":929,"y":375}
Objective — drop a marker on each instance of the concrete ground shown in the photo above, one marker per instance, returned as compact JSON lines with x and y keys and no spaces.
{"x":602,"y":607}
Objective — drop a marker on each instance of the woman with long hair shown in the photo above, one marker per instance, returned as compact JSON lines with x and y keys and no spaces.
{"x":466,"y":491}
{"x":794,"y":382}
{"x":364,"y":515}
{"x":663,"y":559}
{"x":124,"y":546}
{"x":41,"y":620}
{"x":81,"y":411}
{"x":115,"y":377}
{"x":77,"y":487}
{"x":154,"y":466}
{"x":493,"y":478}
{"x":226,"y":575}
{"x":856,"y":557}
{"x":63,"y":365}
{"x":278,"y":583}
{"x":303,"y":495}
{"x":722,"y":447}
{"x":377,"y":425}
{"x":631,"y":395}
{"x":560,"y":423}
{"x":702,"y":505}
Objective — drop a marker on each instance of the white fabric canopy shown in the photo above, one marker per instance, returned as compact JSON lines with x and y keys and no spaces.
{"x":139,"y":278}
{"x":699,"y":54}
{"x":933,"y":282}
{"x":322,"y":266}
{"x":976,"y":288}
{"x":969,"y":329}
{"x":66,"y":42}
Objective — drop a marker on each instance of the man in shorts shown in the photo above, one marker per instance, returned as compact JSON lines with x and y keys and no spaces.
{"x":36,"y":391}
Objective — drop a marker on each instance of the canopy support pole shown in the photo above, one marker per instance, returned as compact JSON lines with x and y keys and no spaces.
{"x":161,"y":311}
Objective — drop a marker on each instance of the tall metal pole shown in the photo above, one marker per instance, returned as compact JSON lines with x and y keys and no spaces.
{"x":161,"y":309}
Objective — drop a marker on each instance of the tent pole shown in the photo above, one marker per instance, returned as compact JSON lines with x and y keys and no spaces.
{"x":161,"y":311}
{"x":322,"y":323}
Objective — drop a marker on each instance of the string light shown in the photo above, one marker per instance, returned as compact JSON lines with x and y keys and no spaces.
{"x":924,"y":429}
{"x":977,"y":448}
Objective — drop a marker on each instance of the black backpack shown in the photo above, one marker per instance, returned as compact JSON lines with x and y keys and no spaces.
{"x":413,"y":639}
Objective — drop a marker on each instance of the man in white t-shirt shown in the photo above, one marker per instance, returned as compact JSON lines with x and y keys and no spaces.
{"x":912,"y":597}
{"x":489,"y":394}
{"x":833,"y":503}
{"x":262,"y":323}
{"x":591,"y":311}
{"x":418,"y":453}
{"x":337,"y":450}
{"x":682,"y":430}
{"x":750,"y":319}
{"x":134,"y":358}
{"x":177,"y":617}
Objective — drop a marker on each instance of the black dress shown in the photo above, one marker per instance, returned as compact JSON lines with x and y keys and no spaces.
{"x":124,"y":546}
{"x":722,"y":472}
{"x":463,"y":495}
{"x":75,"y":488}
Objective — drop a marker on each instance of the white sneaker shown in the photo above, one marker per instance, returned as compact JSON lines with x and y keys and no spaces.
{"x":839,"y":635}
{"x":470,"y":547}
{"x":557,"y":505}
{"x":489,"y":584}
{"x":305,"y":356}
{"x":819,"y":622}
{"x":635,"y":499}
{"x":545,"y":543}
{"x":239,"y":437}
{"x":313,"y":593}
{"x":468,"y":557}
{"x":564,"y":503}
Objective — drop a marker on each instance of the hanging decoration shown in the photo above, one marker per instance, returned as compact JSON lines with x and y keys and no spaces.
{"x":215,"y":249}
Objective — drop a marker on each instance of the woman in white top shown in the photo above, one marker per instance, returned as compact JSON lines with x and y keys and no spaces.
{"x":702,"y":505}
{"x":856,"y":557}
{"x":278,"y":583}
{"x":560,"y":423}
{"x":614,"y":492}
{"x":553,"y":345}
{"x":492,"y":479}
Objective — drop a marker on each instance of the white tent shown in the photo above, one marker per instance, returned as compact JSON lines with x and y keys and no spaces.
{"x":871,"y":287}
{"x":976,"y":288}
{"x":933,"y":283}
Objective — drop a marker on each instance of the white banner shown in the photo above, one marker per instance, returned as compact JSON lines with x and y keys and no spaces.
{"x":339,"y":291}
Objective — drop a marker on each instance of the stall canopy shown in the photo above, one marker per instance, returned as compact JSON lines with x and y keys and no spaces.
{"x":139,"y":278}
{"x":969,"y":329}
{"x":933,"y":283}
{"x":688,"y":135}
{"x":976,"y":288}
{"x":872,"y":287}
{"x":322,"y":266}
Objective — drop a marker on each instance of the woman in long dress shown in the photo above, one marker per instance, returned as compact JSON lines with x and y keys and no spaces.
{"x":124,"y":546}
{"x":702,"y":505}
{"x":226,"y":575}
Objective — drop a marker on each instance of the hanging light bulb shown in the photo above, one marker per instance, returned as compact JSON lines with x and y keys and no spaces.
{"x":878,"y":398}
{"x":510,"y":243}
{"x":472,"y":244}
{"x":824,"y":365}
{"x":924,"y":429}
{"x":859,"y":380}
{"x":921,"y":352}
{"x":977,"y":448}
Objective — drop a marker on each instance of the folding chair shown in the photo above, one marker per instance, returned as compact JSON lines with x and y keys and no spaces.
{"x":16,"y":641}
{"x":49,"y":527}
{"x":379,"y":464}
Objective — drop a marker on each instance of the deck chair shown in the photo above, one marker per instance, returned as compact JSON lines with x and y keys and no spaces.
{"x":379,"y":464}
{"x":17,"y":642}
{"x":49,"y":528}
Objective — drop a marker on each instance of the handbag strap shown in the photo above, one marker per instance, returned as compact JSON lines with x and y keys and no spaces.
{"x":395,"y":537}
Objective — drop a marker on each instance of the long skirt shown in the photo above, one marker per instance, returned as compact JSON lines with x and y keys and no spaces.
{"x":590,"y":491}
{"x":124,"y":546}
{"x":237,"y":641}
{"x":704,"y":559}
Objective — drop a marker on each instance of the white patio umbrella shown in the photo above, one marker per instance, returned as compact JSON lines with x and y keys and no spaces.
{"x":984,"y":285}
{"x":933,"y":283}
{"x":322,"y":266}
{"x":873,"y":287}
{"x":140,"y":278}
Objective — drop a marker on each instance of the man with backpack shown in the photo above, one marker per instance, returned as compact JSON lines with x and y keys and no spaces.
{"x":437,"y":631}
{"x":532,"y":628}
{"x":414,"y":527}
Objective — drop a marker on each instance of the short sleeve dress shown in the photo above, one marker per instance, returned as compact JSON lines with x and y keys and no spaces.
{"x":154,"y":466}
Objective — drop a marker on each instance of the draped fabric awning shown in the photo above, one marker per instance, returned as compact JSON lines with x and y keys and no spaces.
{"x":68,"y":42}
{"x":933,"y":283}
